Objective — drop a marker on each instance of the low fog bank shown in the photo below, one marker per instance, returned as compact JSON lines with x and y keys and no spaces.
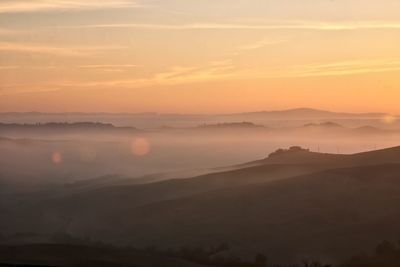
{"x":33,"y":157}
{"x":283,"y":118}
{"x":116,"y":186}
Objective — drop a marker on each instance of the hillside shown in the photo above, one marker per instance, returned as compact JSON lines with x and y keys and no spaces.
{"x":79,"y":255}
{"x":293,"y":204}
{"x":325,"y":214}
{"x":297,"y":155}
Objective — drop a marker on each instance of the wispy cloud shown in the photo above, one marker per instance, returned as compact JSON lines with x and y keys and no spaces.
{"x":8,"y":67}
{"x":22,"y":88}
{"x":225,"y":70}
{"x":32,"y":48}
{"x":341,"y":68}
{"x":111,"y":67}
{"x":216,"y":71}
{"x":23,"y":6}
{"x":175,"y":75}
{"x":4,"y":31}
{"x":310,"y":25}
{"x":259,"y":44}
{"x":213,"y":71}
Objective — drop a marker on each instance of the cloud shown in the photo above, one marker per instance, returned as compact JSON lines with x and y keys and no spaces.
{"x":225,"y":70}
{"x":22,"y":88}
{"x":4,"y":31}
{"x":111,"y":67}
{"x":53,"y":50}
{"x":23,"y":6}
{"x":259,"y":44}
{"x":215,"y":71}
{"x":172,"y":76}
{"x":296,"y":25}
{"x":8,"y":67}
{"x":341,"y":68}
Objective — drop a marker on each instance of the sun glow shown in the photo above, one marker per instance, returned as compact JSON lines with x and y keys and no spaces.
{"x":389,"y":119}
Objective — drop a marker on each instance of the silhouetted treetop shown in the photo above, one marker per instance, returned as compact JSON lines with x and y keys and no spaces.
{"x":291,"y":150}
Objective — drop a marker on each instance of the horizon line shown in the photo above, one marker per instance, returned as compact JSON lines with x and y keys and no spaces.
{"x":201,"y":114}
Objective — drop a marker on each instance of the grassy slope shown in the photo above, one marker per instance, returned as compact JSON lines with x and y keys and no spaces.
{"x":289,"y":206}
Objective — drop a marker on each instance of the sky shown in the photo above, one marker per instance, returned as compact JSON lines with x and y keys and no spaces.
{"x":199,"y":56}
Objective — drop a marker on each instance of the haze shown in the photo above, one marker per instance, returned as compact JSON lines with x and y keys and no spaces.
{"x":200,"y":133}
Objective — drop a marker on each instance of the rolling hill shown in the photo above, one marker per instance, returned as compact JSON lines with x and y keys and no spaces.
{"x":79,"y":255}
{"x":291,"y":205}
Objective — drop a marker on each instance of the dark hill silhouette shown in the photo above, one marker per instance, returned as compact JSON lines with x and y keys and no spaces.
{"x":293,"y":204}
{"x":306,"y":215}
{"x":304,"y":156}
{"x":89,"y":202}
{"x":62,"y":255}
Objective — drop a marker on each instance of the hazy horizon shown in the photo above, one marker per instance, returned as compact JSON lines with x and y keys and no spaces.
{"x":294,"y":108}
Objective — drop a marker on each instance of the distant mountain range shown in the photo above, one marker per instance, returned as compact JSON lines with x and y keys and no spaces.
{"x":302,"y":112}
{"x":310,"y":113}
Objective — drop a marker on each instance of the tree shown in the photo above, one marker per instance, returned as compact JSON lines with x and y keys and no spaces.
{"x":385,"y":248}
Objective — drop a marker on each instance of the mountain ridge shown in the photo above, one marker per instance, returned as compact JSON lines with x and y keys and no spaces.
{"x":302,"y":110}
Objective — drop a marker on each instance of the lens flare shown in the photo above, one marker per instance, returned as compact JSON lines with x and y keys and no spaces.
{"x":140,"y":147}
{"x":389,"y":119}
{"x":56,"y":158}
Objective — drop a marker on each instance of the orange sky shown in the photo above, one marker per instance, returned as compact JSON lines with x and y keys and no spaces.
{"x":194,"y":56}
